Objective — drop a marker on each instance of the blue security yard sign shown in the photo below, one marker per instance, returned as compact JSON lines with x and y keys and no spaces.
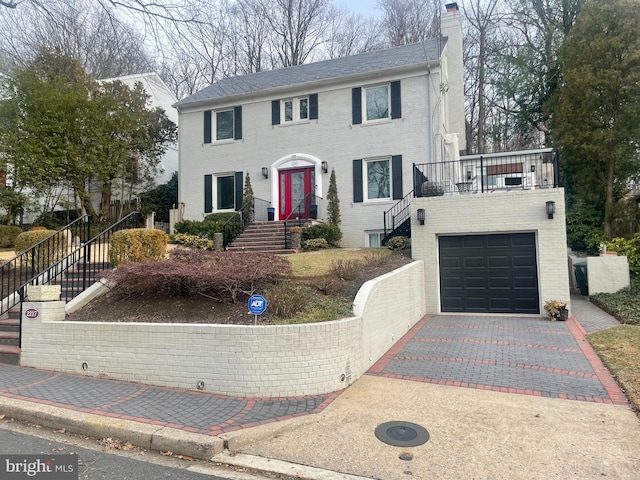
{"x":257,"y":304}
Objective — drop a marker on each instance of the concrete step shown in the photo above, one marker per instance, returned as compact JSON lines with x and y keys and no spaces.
{"x":10,"y":338}
{"x":10,"y":325}
{"x":10,"y":354}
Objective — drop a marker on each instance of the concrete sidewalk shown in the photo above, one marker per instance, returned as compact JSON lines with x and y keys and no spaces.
{"x":502,"y":398}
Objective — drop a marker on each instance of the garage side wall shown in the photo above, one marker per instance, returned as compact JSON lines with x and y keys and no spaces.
{"x":491,"y":213}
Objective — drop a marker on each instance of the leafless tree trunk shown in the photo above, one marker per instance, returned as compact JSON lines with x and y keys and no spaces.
{"x":410,"y":21}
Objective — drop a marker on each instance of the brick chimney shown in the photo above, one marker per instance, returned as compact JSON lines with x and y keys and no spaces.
{"x":451,"y":28}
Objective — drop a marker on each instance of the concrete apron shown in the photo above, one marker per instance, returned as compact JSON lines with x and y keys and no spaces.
{"x":475,"y":434}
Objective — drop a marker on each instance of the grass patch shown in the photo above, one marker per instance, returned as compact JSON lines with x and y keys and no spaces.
{"x":619,"y":349}
{"x":313,"y":264}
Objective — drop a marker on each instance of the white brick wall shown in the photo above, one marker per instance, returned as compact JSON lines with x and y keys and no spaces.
{"x":607,"y":274}
{"x":268,"y":361}
{"x":331,"y":138}
{"x":499,"y":212}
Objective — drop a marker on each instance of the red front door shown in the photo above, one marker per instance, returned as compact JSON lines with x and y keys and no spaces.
{"x":296,"y":188}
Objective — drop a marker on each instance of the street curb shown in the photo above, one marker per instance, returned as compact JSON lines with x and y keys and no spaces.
{"x":280,"y":467}
{"x":152,"y":437}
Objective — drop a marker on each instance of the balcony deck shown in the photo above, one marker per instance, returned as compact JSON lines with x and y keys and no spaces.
{"x":487,"y":173}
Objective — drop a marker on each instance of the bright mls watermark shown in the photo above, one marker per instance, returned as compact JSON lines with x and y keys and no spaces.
{"x":50,"y":467}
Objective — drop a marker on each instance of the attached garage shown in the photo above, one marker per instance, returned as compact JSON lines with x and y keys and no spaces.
{"x":492,"y":273}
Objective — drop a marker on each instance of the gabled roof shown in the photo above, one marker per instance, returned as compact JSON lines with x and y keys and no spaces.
{"x":379,"y":60}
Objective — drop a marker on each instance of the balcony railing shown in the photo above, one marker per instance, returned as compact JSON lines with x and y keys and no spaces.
{"x":487,"y":173}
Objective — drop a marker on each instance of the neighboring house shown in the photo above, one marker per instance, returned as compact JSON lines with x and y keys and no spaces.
{"x":391,"y":124}
{"x":369,"y":117}
{"x":159,"y":96}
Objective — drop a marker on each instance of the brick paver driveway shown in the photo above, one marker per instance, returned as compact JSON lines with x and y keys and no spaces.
{"x":522,"y":355}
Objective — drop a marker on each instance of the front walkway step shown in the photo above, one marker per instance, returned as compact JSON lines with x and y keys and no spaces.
{"x":9,"y":338}
{"x":10,"y":354}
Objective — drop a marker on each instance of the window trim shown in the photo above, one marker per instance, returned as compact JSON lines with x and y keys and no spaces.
{"x":295,"y":107}
{"x":215,"y":193}
{"x":364,"y":102}
{"x":368,"y":233}
{"x":365,"y":180}
{"x":214,"y":125}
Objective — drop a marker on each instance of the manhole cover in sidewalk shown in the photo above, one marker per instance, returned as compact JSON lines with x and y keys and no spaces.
{"x":402,"y":434}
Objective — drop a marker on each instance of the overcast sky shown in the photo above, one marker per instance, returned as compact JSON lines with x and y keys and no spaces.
{"x":359,"y":6}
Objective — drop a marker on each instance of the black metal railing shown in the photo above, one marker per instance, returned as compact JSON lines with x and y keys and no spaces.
{"x":253,"y":210}
{"x":487,"y":173}
{"x":310,"y":207}
{"x":397,"y":215}
{"x":16,"y":273}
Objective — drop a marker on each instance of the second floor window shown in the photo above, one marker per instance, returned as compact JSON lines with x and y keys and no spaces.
{"x":295,"y":109}
{"x":376,"y":102}
{"x":224,"y":125}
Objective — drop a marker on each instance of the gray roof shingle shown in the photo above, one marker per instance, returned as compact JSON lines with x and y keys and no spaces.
{"x":379,"y":60}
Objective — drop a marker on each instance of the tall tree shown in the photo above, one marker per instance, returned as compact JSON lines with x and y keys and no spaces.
{"x":102,"y":44}
{"x":410,"y":21}
{"x":527,"y":69}
{"x":59,"y":127}
{"x":596,"y":112}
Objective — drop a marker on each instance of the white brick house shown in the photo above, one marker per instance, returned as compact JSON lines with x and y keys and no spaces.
{"x":369,"y":117}
{"x":391,"y":124}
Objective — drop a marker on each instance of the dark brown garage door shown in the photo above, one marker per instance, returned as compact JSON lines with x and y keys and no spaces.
{"x":489,"y":273}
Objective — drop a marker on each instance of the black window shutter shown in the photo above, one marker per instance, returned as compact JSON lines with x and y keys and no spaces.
{"x":396,"y":173}
{"x":208,"y":193}
{"x":313,"y":106}
{"x":237,"y":123}
{"x":239,"y":190}
{"x":396,"y":102}
{"x":357,"y":181}
{"x":356,"y":105}
{"x":275,"y":112}
{"x":207,"y":126}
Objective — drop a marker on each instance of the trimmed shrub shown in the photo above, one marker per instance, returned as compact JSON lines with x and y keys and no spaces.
{"x":330,"y":233}
{"x":628,"y":248}
{"x":213,"y":223}
{"x":137,"y":245}
{"x":221,"y":276}
{"x":191,"y":241}
{"x":315,"y":244}
{"x":8,"y":235}
{"x":399,"y":243}
{"x":47,"y":253}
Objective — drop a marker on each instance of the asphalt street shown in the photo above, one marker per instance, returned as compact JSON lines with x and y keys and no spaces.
{"x":97,"y":462}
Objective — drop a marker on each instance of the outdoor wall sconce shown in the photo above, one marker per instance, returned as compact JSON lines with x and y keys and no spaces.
{"x":265,"y":172}
{"x":325,"y":167}
{"x":421,"y":216}
{"x":551,"y":208}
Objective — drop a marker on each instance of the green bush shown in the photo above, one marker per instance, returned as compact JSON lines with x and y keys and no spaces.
{"x":315,"y":244}
{"x":628,"y":248}
{"x":46,"y":254}
{"x":623,"y":304}
{"x":330,"y":233}
{"x":213,"y":223}
{"x":399,"y":243}
{"x":191,"y":241}
{"x":137,"y":245}
{"x":8,"y":235}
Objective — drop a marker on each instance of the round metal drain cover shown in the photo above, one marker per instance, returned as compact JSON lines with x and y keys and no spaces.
{"x":402,"y":434}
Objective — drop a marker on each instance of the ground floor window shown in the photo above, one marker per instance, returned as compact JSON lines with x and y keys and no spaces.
{"x":225,"y":192}
{"x":374,"y":239}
